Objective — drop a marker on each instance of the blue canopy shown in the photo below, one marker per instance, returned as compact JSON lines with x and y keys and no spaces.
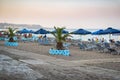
{"x":63,"y":31}
{"x":99,"y":32}
{"x":41,"y":31}
{"x":81,"y":31}
{"x":111,"y":31}
{"x":24,"y":31}
{"x":31,"y":31}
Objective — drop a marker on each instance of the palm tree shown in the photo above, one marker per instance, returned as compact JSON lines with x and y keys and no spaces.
{"x":11,"y":34}
{"x":60,"y":37}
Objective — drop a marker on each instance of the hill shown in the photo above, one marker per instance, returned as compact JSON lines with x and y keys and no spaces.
{"x":19,"y":26}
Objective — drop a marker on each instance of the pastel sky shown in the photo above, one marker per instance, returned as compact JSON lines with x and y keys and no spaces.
{"x":92,"y":14}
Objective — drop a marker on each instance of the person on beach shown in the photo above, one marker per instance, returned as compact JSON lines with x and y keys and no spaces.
{"x":112,"y":45}
{"x":97,"y":40}
{"x":45,"y":36}
{"x":93,"y":41}
{"x":103,"y":40}
{"x":40,"y":37}
{"x":30,"y":35}
{"x":89,"y":41}
{"x":25,"y":35}
{"x":0,"y":34}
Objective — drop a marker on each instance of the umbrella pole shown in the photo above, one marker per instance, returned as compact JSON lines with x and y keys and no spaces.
{"x":100,"y":37}
{"x":80,"y":37}
{"x":109,"y":36}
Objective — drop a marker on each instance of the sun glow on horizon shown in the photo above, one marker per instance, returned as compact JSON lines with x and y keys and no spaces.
{"x":69,"y":13}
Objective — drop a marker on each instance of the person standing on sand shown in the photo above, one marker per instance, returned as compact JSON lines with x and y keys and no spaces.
{"x":97,"y":40}
{"x":44,"y":36}
{"x":40,"y":38}
{"x":103,"y":40}
{"x":0,"y":34}
{"x":45,"y":39}
{"x":112,"y":43}
{"x":25,"y":35}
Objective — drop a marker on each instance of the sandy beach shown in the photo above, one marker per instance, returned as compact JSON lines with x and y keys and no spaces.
{"x":59,"y":39}
{"x":75,"y":52}
{"x":80,"y":65}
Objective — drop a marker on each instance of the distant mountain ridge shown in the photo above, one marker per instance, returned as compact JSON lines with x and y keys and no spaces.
{"x":20,"y":26}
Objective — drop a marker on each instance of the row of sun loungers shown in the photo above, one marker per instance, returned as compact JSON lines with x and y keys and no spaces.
{"x":101,"y":47}
{"x":86,"y":46}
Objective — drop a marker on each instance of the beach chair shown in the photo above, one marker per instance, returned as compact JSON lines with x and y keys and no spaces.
{"x":81,"y":46}
{"x":43,"y":41}
{"x":40,"y":41}
{"x":2,"y":39}
{"x":111,"y":50}
{"x":24,"y":39}
{"x":91,"y":46}
{"x":35,"y":38}
{"x":85,"y":46}
{"x":118,"y":52}
{"x":99,"y":47}
{"x":66,"y":45}
{"x":117,"y":43}
{"x":15,"y":38}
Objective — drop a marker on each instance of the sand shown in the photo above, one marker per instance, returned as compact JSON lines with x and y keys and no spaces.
{"x":79,"y":72}
{"x":75,"y":52}
{"x":55,"y":72}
